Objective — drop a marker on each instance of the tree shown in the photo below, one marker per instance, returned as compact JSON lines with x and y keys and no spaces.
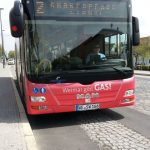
{"x":143,"y":50}
{"x":11,"y":54}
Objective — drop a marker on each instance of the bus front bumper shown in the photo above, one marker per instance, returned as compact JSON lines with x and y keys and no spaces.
{"x":46,"y":109}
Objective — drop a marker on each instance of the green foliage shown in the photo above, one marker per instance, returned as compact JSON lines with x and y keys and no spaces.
{"x":143,"y":51}
{"x":11,"y":54}
{"x":142,"y":67}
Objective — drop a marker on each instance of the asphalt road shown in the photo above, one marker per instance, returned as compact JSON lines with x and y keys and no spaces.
{"x":63,"y":131}
{"x":60,"y":132}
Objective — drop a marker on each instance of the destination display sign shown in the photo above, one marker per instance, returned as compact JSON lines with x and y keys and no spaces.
{"x":81,"y":8}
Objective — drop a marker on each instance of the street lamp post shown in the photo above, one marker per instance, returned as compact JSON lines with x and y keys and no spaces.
{"x":3,"y":54}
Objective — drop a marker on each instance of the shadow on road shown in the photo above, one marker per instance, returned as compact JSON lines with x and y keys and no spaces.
{"x":71,"y":118}
{"x":74,"y":118}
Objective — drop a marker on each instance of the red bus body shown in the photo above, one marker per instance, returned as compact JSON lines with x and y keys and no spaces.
{"x":53,"y":44}
{"x":63,"y":97}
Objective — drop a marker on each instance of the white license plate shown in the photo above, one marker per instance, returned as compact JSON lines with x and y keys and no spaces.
{"x":87,"y":107}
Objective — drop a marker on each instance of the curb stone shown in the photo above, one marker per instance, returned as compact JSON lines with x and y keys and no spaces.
{"x":25,"y":126}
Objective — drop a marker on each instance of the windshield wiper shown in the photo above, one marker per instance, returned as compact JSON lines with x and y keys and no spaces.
{"x":120,"y":71}
{"x":55,"y":75}
{"x":58,"y":75}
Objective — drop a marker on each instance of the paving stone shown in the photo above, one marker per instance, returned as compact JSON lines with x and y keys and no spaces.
{"x":119,"y":138}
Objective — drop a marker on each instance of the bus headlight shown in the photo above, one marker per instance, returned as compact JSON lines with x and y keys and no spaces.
{"x":37,"y":99}
{"x":129,"y":92}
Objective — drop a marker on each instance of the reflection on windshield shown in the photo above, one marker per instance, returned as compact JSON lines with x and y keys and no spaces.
{"x":76,"y":46}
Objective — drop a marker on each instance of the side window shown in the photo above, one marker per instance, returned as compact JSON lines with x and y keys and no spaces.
{"x":26,"y":47}
{"x":115,"y":45}
{"x":107,"y":46}
{"x":29,"y":49}
{"x":111,"y":46}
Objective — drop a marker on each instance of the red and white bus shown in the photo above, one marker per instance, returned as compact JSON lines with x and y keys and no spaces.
{"x":53,"y":40}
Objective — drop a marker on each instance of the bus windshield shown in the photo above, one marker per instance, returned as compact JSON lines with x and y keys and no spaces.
{"x":63,"y":35}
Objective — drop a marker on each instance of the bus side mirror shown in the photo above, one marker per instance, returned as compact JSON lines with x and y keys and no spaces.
{"x":16,"y":20}
{"x":136,"y":33}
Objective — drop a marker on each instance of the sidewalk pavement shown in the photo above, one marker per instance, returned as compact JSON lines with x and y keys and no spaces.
{"x":15,"y":130}
{"x":141,"y":72}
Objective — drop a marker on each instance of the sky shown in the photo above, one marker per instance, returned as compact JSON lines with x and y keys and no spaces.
{"x":140,"y":10}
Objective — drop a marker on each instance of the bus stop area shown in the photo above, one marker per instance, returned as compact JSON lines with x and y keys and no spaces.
{"x":15,"y":131}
